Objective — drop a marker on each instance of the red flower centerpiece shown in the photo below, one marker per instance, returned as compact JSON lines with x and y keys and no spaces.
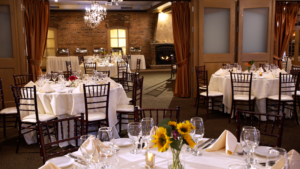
{"x":72,"y":79}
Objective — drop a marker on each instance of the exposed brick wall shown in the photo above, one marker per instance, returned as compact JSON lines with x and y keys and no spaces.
{"x":73,"y":33}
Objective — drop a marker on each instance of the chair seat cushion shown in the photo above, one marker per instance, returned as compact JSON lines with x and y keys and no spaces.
{"x":298,"y":93}
{"x":283,"y":97}
{"x":125,"y":108}
{"x":243,"y":97}
{"x":95,"y":116}
{"x":174,"y":67}
{"x":212,"y":93}
{"x":202,"y":87}
{"x":42,"y":117}
{"x":9,"y":110}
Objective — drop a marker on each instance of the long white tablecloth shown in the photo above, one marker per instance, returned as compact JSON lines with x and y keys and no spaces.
{"x":133,"y":61}
{"x":209,"y":160}
{"x":62,"y":104}
{"x":55,"y":63}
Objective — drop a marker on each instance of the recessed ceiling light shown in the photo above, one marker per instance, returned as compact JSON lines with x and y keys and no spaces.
{"x":55,"y":0}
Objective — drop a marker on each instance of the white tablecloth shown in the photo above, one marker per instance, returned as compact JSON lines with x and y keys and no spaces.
{"x":261,"y":89}
{"x":133,"y":61}
{"x":62,"y":104}
{"x":55,"y":63}
{"x":209,"y":160}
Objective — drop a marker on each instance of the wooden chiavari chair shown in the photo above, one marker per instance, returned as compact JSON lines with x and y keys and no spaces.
{"x":119,"y":50}
{"x":122,"y":67}
{"x":138,"y":65}
{"x":157,"y":114}
{"x":209,"y":98}
{"x":9,"y":112}
{"x":268,"y":128}
{"x":22,"y":80}
{"x":128,"y":80}
{"x":96,"y":98}
{"x":26,"y":104}
{"x":241,"y":91}
{"x":66,"y":74}
{"x":128,"y":110}
{"x":59,"y":131}
{"x":287,"y":89}
{"x":90,"y":67}
{"x":199,"y":68}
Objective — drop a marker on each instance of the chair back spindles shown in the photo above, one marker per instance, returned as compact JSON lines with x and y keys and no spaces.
{"x":90,"y":67}
{"x":287,"y":84}
{"x":128,"y":80}
{"x":81,"y":59}
{"x":22,"y":80}
{"x":66,"y":74}
{"x":69,"y":66}
{"x":241,"y":83}
{"x":105,"y":72}
{"x":137,"y":93}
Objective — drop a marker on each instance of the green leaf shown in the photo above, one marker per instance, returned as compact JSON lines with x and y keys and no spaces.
{"x":175,"y":144}
{"x":164,"y":122}
{"x":168,"y":128}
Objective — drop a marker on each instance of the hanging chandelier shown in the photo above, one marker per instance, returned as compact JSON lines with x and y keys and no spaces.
{"x":95,"y":15}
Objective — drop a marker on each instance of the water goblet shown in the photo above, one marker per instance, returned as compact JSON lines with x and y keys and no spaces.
{"x":147,"y":124}
{"x":54,"y":76}
{"x":250,"y":139}
{"x":105,"y":135}
{"x":198,"y":134}
{"x":277,"y":155}
{"x":134,"y":132}
{"x":48,"y":76}
{"x":87,"y":150}
{"x":60,"y":72}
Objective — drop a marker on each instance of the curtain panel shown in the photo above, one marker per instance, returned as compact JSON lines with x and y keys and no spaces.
{"x":181,"y":34}
{"x":36,"y":18}
{"x":285,"y":18}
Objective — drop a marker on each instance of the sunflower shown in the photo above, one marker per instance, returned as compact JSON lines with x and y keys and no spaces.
{"x":161,"y":140}
{"x":173,"y":124}
{"x":189,"y":140}
{"x":191,"y":126}
{"x":183,"y":128}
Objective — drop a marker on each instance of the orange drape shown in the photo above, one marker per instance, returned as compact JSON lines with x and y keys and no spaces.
{"x":36,"y":18}
{"x":285,"y":18}
{"x":181,"y":34}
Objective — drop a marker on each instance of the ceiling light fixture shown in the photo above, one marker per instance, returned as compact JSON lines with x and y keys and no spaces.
{"x":95,"y":15}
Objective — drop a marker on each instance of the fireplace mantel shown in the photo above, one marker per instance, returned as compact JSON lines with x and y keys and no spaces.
{"x":158,"y":44}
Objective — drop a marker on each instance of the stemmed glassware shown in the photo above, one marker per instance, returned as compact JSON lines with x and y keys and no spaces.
{"x":134,"y":132}
{"x":250,"y":138}
{"x":48,"y":76}
{"x":87,"y":153}
{"x":147,"y":124}
{"x":239,"y":69}
{"x":105,"y":135}
{"x":198,"y":133}
{"x":275,"y":155}
{"x":54,"y":76}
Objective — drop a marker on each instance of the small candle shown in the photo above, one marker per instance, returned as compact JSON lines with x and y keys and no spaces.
{"x":150,"y":160}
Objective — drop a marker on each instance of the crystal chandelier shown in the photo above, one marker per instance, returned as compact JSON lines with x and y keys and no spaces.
{"x":95,"y":15}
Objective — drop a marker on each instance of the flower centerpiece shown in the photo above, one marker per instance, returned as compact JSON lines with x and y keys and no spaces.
{"x":171,"y":134}
{"x":249,"y":65}
{"x":72,"y":79}
{"x":103,"y":53}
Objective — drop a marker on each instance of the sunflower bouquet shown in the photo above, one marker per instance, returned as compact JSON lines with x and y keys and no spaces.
{"x":171,"y":134}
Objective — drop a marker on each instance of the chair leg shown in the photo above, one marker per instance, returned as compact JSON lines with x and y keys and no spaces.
{"x":207,"y":107}
{"x":4,"y":126}
{"x":295,"y":113}
{"x":230,"y":112}
{"x":19,"y":137}
{"x":16,"y":123}
{"x":120,"y":122}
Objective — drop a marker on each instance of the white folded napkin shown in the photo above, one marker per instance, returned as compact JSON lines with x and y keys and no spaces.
{"x":152,"y":132}
{"x":46,"y":89}
{"x":89,"y":146}
{"x":294,"y":159}
{"x":219,"y":72}
{"x":261,"y":69}
{"x":226,"y":140}
{"x":269,"y":75}
{"x":49,"y":165}
{"x":30,"y":84}
{"x":79,"y":88}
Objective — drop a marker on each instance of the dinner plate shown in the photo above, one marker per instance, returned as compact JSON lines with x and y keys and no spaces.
{"x":262,"y":151}
{"x":122,"y":142}
{"x":61,"y":161}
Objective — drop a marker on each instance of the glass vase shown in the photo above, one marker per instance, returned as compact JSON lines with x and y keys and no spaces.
{"x":176,"y":163}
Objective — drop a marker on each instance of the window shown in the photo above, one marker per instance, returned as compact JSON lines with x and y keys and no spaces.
{"x":51,"y":43}
{"x":118,"y":39}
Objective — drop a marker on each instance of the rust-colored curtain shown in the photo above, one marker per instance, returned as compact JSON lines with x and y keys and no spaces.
{"x":285,"y":18}
{"x":36,"y":18}
{"x":181,"y":33}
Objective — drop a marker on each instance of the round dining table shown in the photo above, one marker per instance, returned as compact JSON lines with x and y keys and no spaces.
{"x":70,"y":102}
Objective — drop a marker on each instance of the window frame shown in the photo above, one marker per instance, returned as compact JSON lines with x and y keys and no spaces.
{"x":109,"y":38}
{"x":55,"y":41}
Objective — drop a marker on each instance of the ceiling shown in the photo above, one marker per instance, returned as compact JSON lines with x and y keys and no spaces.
{"x":81,"y":5}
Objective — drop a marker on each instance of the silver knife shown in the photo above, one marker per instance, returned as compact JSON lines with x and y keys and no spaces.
{"x":205,"y":142}
{"x":210,"y":144}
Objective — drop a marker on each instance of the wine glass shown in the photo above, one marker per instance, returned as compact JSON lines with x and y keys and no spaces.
{"x":85,"y":78}
{"x":192,"y":131}
{"x":250,"y":139}
{"x":60,"y":72}
{"x":198,"y":134}
{"x":134,"y":132}
{"x":275,"y":155}
{"x":54,"y":76}
{"x":147,"y":124}
{"x":87,"y":148}
{"x":239,"y":69}
{"x":105,"y":135}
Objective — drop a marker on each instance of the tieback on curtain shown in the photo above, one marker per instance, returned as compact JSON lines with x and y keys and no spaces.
{"x":35,"y":62}
{"x":184,"y":62}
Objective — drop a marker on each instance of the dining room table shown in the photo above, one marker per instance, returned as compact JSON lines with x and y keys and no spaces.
{"x":123,"y":159}
{"x":69,"y":101}
{"x":56,"y":63}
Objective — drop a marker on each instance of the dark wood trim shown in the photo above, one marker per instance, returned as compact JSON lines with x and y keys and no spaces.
{"x":83,"y":10}
{"x":154,"y":8}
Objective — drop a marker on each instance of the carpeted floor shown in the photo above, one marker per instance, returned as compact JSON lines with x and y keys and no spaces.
{"x":157,"y":93}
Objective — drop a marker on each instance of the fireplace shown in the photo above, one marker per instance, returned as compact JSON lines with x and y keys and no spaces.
{"x":163,"y":54}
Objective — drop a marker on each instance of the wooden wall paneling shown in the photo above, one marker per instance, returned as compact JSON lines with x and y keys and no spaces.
{"x":258,"y":57}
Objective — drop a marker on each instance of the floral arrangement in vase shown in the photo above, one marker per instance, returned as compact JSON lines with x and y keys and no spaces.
{"x":72,"y":79}
{"x":249,"y":65}
{"x":171,"y":134}
{"x":103,"y":53}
